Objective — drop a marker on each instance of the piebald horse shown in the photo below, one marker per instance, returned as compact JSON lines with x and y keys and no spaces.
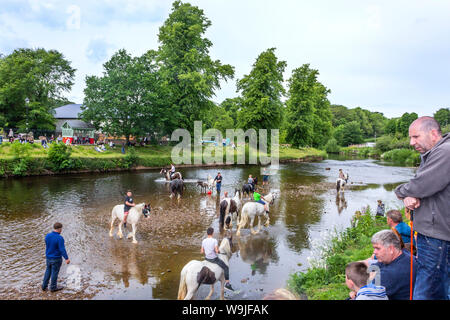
{"x":176,"y":188}
{"x":229,"y":210}
{"x":166,"y":174}
{"x":251,"y":210}
{"x":189,"y":283}
{"x":340,"y":183}
{"x":211,"y":182}
{"x":133,"y":217}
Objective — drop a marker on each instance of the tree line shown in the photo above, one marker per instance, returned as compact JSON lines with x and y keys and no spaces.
{"x":172,"y":86}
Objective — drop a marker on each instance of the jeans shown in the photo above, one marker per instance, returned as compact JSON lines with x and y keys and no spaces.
{"x":221,"y":264}
{"x":218,"y":186}
{"x":432,"y":279}
{"x":53,"y":266}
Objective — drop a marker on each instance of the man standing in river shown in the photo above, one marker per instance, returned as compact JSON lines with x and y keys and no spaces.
{"x":428,"y":194}
{"x":54,"y":251}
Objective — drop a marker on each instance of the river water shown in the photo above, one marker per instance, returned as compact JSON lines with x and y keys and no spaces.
{"x":306,"y":210}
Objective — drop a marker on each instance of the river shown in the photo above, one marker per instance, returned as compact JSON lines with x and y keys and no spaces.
{"x":305,"y":211}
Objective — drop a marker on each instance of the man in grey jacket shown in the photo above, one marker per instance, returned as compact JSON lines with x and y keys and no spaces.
{"x":428,"y":194}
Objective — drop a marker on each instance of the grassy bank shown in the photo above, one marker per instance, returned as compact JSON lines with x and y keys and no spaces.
{"x":364,"y":152}
{"x":25,"y":159}
{"x":406,"y":157}
{"x":325,"y":280}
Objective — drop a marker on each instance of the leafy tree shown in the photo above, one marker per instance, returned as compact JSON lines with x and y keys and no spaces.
{"x":391,"y":126}
{"x":404,"y":122}
{"x":442,"y":116}
{"x":232,"y":107}
{"x":262,"y":90}
{"x":126,"y":100}
{"x":349,"y":133}
{"x":187,"y":71}
{"x":308,"y":115}
{"x":38,"y":75}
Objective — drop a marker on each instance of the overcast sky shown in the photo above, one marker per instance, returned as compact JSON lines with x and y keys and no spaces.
{"x":387,"y":56}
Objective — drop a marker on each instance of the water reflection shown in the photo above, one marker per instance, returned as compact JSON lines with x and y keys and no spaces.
{"x":258,"y":251}
{"x":341,"y":203}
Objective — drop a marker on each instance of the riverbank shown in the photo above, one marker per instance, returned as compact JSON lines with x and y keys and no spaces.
{"x":32,"y":160}
{"x":325,"y":279}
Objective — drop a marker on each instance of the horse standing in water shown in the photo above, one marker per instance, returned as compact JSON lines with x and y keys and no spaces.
{"x":251,"y":210}
{"x":340,"y":183}
{"x":176,"y":188}
{"x":166,"y":174}
{"x":133,"y":218}
{"x":229,"y":210}
{"x":194,"y":272}
{"x":249,"y":187}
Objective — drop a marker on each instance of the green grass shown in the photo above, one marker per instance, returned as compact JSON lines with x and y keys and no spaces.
{"x":84,"y":157}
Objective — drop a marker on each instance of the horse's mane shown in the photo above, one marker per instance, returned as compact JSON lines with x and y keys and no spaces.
{"x":225,"y":245}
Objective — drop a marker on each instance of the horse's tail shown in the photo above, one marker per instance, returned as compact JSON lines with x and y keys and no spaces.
{"x":223,"y":207}
{"x":182,"y":289}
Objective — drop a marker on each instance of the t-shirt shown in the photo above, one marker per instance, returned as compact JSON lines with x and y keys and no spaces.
{"x":256,"y":196}
{"x":129,"y":200}
{"x":395,"y":276}
{"x":209,"y":245}
{"x":218,"y":179}
{"x":405,"y":232}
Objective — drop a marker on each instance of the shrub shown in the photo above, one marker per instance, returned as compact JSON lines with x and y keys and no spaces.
{"x":131,"y":158}
{"x":402,"y":156}
{"x":59,"y":156}
{"x":20,"y":150}
{"x":332,"y":146}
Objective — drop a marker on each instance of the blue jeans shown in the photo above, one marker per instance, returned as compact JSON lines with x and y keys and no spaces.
{"x":432,"y":279}
{"x":53,"y":266}
{"x":218,"y":186}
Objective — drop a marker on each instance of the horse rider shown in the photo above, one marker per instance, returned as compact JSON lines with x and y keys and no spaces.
{"x":218,"y":180}
{"x":172,"y":170}
{"x":129,"y":202}
{"x":210,"y":248}
{"x":251,"y":182}
{"x":341,"y":174}
{"x":260,"y":199}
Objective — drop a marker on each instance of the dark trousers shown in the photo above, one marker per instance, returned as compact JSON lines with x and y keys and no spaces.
{"x":53,"y":266}
{"x":221,"y":264}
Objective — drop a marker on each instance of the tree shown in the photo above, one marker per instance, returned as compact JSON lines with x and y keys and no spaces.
{"x":391,"y":126}
{"x":308,"y":115}
{"x":187,"y":71}
{"x":126,"y":100}
{"x":404,"y":122}
{"x":262,"y":90}
{"x":38,"y":76}
{"x":349,"y":133}
{"x":442,"y":116}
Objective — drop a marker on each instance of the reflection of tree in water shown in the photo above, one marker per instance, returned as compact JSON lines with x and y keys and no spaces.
{"x":391,"y":186}
{"x":258,"y":251}
{"x":341,"y":203}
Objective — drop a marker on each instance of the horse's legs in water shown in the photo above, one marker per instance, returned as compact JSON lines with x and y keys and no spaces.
{"x":112,"y":226}
{"x":210,"y":293}
{"x":259,"y":224}
{"x":267,"y":220}
{"x":119,"y":233}
{"x":134,"y":232}
{"x":251,"y":225}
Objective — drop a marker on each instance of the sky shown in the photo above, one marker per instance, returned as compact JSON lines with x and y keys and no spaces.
{"x":386,"y":56}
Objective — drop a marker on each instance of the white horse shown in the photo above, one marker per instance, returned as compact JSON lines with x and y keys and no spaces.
{"x":169,"y":177}
{"x":133,"y":217}
{"x":250,"y":210}
{"x":211,"y":182}
{"x":233,"y":214}
{"x":189,"y":274}
{"x":340,"y":183}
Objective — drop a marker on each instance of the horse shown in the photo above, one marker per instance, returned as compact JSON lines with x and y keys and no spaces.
{"x":249,"y":187}
{"x":168,"y":176}
{"x":203,"y":185}
{"x":232,"y":210}
{"x":133,"y":218}
{"x":250,"y":210}
{"x":193,"y":273}
{"x":176,"y":188}
{"x":340,"y":184}
{"x":211,"y":182}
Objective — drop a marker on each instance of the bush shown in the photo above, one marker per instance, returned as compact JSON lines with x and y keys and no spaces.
{"x":20,"y":150}
{"x":402,"y":156}
{"x":332,"y":146}
{"x":59,"y":156}
{"x":131,"y":158}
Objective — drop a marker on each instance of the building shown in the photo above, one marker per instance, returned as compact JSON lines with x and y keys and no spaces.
{"x":69,"y":125}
